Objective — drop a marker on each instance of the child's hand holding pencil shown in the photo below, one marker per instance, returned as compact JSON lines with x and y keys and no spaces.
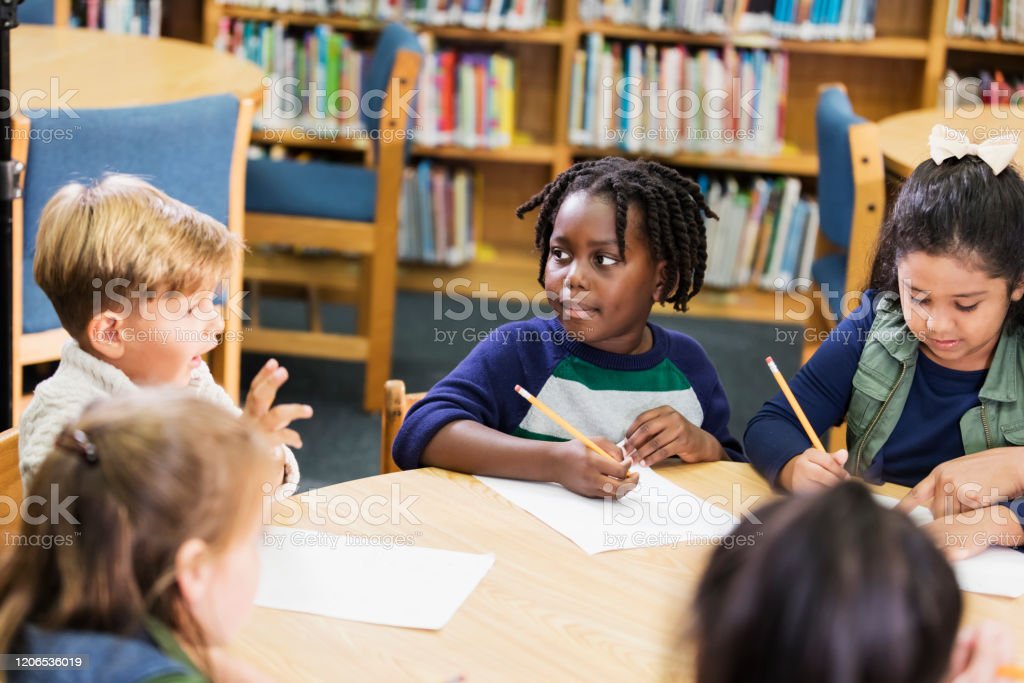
{"x":583,"y":471}
{"x":815,"y":468}
{"x":587,"y":465}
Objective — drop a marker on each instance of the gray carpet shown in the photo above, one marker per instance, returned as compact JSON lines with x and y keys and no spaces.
{"x":342,"y":442}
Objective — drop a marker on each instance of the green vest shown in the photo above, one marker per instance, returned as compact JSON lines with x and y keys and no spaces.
{"x":885,"y":374}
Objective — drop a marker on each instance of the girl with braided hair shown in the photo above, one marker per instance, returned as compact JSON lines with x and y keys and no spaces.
{"x":615,"y":236}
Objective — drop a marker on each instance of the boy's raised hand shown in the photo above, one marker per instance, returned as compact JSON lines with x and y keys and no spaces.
{"x":814,"y":470}
{"x":274,"y":420}
{"x":662,"y":432}
{"x":590,"y":474}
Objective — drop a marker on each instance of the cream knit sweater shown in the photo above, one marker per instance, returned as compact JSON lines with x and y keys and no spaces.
{"x":81,"y":379}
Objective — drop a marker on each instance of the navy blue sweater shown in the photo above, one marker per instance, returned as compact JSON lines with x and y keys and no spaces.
{"x":599,"y":393}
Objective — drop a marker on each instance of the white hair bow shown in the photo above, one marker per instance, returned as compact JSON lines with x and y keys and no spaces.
{"x":996,"y":151}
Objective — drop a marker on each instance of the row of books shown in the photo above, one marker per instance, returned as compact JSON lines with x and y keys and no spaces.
{"x":436,"y":221}
{"x":666,"y":99}
{"x":318,"y":73}
{"x":986,"y":19}
{"x":360,"y":9}
{"x":465,"y":98}
{"x":791,"y":19}
{"x":765,"y":236}
{"x":492,"y":15}
{"x":132,"y":17}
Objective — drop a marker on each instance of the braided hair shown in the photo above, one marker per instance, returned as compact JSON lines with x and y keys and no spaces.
{"x":673,"y":216}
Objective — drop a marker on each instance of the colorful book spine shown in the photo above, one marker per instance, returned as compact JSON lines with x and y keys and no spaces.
{"x":436,"y":214}
{"x":649,"y":98}
{"x":790,"y":19}
{"x":765,"y":236}
{"x":470,"y":97}
{"x":128,"y":17}
{"x":317,"y":74}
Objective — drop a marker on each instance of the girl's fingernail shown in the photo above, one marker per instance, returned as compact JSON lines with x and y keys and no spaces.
{"x":643,"y":463}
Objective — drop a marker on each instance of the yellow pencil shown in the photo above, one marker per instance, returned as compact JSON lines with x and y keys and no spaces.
{"x":815,"y":441}
{"x":576,"y":434}
{"x":1010,"y":671}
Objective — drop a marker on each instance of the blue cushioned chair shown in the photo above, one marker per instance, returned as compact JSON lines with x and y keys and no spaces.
{"x":344,"y":209}
{"x":38,"y":12}
{"x":851,"y":193}
{"x":194,"y":150}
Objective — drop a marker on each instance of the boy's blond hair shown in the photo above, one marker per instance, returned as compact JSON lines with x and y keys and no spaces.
{"x":125,"y":230}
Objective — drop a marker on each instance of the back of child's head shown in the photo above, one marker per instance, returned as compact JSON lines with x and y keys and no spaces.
{"x":119,"y":234}
{"x":136,"y":477}
{"x":671,"y":207}
{"x":961,"y":209}
{"x":830,"y":587}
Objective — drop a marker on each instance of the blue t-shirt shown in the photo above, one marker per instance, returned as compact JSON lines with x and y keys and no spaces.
{"x":926,"y":435}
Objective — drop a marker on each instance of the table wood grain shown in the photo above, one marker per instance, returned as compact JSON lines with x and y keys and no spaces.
{"x":119,"y":71}
{"x":546,"y":611}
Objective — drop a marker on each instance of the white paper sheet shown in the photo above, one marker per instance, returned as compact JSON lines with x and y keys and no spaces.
{"x":346,"y":578}
{"x":657,"y":512}
{"x":995,"y":571}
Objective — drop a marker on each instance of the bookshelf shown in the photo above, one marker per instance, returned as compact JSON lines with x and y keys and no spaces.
{"x":899,"y":70}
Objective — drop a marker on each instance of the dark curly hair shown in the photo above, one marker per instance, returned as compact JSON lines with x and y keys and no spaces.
{"x":825,"y":587}
{"x":673,"y":210}
{"x":959,"y":208}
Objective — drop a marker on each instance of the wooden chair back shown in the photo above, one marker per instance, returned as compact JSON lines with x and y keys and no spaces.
{"x":396,"y":404}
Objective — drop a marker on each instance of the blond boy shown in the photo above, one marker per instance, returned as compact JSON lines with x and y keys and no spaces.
{"x":132,"y":273}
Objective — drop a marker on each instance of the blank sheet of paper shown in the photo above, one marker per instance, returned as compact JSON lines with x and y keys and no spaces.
{"x":995,"y":571}
{"x":345,"y":578}
{"x":657,"y":512}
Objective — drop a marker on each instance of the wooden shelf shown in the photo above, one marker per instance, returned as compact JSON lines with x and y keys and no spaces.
{"x":896,"y":72}
{"x":298,"y":137}
{"x":995,"y":47}
{"x":543,"y":36}
{"x":515,"y":154}
{"x":507,"y":269}
{"x":797,"y":163}
{"x":891,"y":48}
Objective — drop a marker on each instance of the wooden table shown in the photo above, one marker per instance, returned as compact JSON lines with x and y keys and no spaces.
{"x":904,"y":137}
{"x":546,"y":611}
{"x":120,"y":71}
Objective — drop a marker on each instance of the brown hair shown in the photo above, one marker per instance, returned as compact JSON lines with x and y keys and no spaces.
{"x":107,"y":239}
{"x":830,"y":587}
{"x":146,"y":473}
